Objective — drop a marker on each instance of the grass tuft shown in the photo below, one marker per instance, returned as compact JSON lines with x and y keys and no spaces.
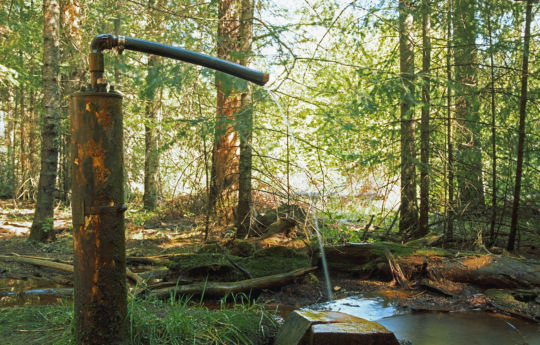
{"x":150,"y":322}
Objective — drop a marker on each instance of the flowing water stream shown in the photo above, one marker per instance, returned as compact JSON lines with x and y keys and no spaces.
{"x":310,"y":193}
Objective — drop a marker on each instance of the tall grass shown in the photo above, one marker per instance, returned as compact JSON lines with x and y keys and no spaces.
{"x":150,"y":322}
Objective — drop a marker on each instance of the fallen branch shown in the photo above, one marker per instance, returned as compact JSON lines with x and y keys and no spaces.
{"x":39,"y":262}
{"x":41,"y":258}
{"x":397,"y":273}
{"x":45,"y":262}
{"x":366,"y":228}
{"x":156,"y":274}
{"x":242,"y":270}
{"x":225,"y":288}
{"x":136,"y":278}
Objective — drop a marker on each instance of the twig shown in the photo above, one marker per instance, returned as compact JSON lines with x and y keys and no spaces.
{"x":366,"y":228}
{"x":237,"y":266}
{"x":397,"y":273}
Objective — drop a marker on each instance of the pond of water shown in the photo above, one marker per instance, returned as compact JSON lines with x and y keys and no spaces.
{"x":462,"y":328}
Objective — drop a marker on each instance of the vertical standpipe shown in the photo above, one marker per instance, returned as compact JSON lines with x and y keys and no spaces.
{"x":100,"y":304}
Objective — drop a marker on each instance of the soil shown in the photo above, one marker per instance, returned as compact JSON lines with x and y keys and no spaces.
{"x":182,"y":235}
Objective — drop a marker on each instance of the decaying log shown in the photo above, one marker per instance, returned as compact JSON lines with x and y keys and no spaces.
{"x":157,"y":274}
{"x":149,"y":260}
{"x":46,"y":262}
{"x":490,"y":271}
{"x":39,"y":262}
{"x":481,"y":270}
{"x":351,"y":257}
{"x":41,"y":258}
{"x":225,"y":288}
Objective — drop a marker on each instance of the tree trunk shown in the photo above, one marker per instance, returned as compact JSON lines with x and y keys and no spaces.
{"x":72,"y":38}
{"x":424,"y":124}
{"x":245,"y":129}
{"x":449,"y":233}
{"x":151,"y":133}
{"x":521,"y":138}
{"x":469,"y":154}
{"x":493,"y":132}
{"x":151,"y":152}
{"x":32,"y":135}
{"x":9,"y":132}
{"x":22,"y":188}
{"x":408,"y":222}
{"x":42,"y":226}
{"x":225,"y":159}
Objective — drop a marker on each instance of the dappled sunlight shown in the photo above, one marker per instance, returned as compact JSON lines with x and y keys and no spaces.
{"x":477,"y":262}
{"x":8,"y":230}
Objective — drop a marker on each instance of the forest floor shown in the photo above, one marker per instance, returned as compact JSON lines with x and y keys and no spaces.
{"x":155,"y":237}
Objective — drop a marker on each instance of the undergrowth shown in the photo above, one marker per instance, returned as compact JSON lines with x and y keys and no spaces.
{"x":149,"y":322}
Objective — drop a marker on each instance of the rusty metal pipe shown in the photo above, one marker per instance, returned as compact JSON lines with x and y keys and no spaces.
{"x":109,"y":41}
{"x":100,"y":301}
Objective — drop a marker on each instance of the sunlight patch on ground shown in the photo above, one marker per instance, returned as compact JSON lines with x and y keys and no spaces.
{"x":14,"y":229}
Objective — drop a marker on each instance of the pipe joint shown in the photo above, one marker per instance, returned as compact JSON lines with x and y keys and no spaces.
{"x":105,"y":41}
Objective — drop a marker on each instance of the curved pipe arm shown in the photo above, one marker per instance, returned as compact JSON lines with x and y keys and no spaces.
{"x":109,"y":41}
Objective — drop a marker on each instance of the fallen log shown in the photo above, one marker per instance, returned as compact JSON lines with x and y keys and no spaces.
{"x":41,"y":258}
{"x":225,"y":288}
{"x":39,"y":262}
{"x":163,"y":273}
{"x":487,"y":271}
{"x":46,"y":262}
{"x":354,"y":257}
{"x":149,"y":260}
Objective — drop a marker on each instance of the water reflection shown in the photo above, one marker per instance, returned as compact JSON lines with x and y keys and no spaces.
{"x":463,"y":328}
{"x":19,"y":292}
{"x":468,"y":328}
{"x":367,"y":307}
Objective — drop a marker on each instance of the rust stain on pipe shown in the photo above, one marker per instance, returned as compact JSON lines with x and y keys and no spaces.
{"x":100,"y":304}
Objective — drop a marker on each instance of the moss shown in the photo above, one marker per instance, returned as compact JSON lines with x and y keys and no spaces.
{"x":432,"y":252}
{"x":511,"y":300}
{"x":209,"y":249}
{"x":280,"y":251}
{"x":215,"y":267}
{"x":201,"y":266}
{"x":398,"y":250}
{"x":242,"y":248}
{"x":260,"y":266}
